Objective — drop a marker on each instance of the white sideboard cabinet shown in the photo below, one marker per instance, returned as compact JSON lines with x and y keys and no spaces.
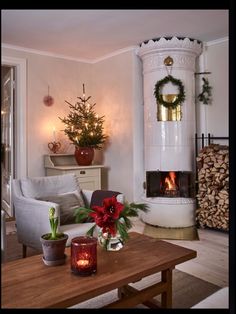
{"x":89,"y":176}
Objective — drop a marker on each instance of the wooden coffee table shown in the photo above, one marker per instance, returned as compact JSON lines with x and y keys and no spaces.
{"x":28,"y":283}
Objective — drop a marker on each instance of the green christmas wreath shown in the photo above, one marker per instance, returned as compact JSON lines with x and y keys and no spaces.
{"x":159,"y":85}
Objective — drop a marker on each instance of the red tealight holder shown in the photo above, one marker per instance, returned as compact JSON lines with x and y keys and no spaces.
{"x":84,"y":255}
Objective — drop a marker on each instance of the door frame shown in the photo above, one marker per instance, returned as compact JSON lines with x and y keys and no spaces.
{"x":21,"y":162}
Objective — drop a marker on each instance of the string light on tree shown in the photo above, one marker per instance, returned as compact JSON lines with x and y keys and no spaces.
{"x":83,"y":126}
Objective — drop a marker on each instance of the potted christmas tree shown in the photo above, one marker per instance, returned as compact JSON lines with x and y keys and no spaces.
{"x":53,"y":243}
{"x":84,"y":129}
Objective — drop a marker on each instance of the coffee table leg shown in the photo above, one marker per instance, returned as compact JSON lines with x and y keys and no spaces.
{"x":166,"y":297}
{"x":121,"y":292}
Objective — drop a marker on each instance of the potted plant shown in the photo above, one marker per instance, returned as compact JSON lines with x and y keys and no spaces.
{"x":53,"y":243}
{"x":84,"y":129}
{"x":112,"y":220}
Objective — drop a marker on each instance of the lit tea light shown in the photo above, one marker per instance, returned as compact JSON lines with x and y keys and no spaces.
{"x":84,"y":255}
{"x":83,"y":262}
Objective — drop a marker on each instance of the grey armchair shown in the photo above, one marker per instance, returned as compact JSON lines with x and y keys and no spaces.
{"x":31,"y":208}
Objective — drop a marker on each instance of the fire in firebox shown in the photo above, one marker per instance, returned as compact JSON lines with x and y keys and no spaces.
{"x":170,"y":188}
{"x":169,"y":184}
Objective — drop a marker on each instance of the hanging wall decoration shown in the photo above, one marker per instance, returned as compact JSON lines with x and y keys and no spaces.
{"x":48,"y":100}
{"x":205,"y":95}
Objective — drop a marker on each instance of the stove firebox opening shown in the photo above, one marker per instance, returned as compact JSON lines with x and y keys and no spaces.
{"x":169,"y":184}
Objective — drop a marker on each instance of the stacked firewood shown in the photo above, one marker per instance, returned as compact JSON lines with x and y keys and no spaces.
{"x":213,"y":187}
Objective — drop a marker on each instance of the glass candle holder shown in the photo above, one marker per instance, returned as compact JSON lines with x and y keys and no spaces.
{"x":84,"y":255}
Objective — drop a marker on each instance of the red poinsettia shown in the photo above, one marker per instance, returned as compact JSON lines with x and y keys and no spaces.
{"x":106,"y":215}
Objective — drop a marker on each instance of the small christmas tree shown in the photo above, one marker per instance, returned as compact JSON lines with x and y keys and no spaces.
{"x":84,"y":127}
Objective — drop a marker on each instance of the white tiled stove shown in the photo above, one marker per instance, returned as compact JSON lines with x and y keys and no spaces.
{"x":169,"y":145}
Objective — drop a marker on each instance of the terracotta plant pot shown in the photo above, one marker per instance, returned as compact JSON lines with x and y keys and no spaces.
{"x":84,"y":155}
{"x":54,"y":250}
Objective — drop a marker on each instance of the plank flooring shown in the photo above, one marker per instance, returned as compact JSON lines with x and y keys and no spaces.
{"x":212,"y":261}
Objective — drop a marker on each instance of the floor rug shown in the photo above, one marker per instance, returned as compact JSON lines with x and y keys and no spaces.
{"x":188,"y":233}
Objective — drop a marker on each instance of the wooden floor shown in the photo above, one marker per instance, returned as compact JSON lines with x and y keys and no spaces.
{"x":211,"y":263}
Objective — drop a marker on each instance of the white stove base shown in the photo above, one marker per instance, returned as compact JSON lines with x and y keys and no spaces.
{"x":177,"y":212}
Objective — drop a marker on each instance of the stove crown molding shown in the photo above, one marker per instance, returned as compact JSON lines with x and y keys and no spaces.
{"x":182,"y":51}
{"x":165,"y":44}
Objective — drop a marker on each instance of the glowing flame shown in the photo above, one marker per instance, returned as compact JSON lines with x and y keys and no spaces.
{"x":170,"y":181}
{"x":82,"y":262}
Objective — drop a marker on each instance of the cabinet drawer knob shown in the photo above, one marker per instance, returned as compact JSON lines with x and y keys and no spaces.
{"x":82,"y":172}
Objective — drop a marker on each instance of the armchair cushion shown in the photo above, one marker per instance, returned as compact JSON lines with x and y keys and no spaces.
{"x":68,"y":202}
{"x":53,"y":185}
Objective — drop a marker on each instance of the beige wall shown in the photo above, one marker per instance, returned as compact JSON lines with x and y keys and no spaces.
{"x":115,"y":83}
{"x":217,"y":62}
{"x":65,"y":79}
{"x":214,"y":117}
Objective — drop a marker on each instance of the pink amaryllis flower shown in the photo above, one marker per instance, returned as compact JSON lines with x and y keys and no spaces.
{"x":106,"y":215}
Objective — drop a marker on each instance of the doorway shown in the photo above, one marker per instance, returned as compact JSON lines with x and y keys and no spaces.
{"x":7,"y":136}
{"x":13,"y":127}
